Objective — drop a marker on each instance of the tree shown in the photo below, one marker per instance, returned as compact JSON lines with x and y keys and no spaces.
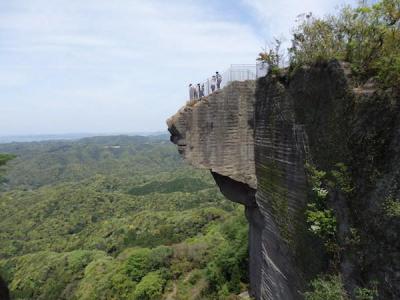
{"x":367,"y":37}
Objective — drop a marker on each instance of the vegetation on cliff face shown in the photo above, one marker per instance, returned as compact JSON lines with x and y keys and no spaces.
{"x":116,"y":218}
{"x":353,"y":192}
{"x":320,"y":218}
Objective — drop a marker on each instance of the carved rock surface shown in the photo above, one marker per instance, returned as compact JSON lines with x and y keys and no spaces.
{"x":216,"y":132}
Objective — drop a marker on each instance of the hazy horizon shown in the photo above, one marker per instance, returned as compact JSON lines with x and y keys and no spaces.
{"x":124,"y":66}
{"x":5,"y":139}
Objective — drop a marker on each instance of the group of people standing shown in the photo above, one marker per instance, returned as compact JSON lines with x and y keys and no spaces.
{"x":198,"y":91}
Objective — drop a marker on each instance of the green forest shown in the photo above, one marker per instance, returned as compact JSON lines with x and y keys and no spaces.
{"x":116,"y":218}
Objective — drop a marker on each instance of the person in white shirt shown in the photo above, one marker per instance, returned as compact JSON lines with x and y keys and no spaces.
{"x":219,"y":80}
{"x":191,"y":91}
{"x":196,"y":92}
{"x":213,"y":83}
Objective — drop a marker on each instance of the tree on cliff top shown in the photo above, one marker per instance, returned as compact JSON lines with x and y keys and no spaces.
{"x":367,"y":36}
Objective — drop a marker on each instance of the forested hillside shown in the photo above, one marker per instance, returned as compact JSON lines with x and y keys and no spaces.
{"x":116,"y":218}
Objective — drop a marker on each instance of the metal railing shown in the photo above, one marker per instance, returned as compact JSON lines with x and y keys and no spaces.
{"x":236,"y":72}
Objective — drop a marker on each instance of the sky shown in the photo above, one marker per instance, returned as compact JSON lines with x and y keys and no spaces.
{"x":123,"y":66}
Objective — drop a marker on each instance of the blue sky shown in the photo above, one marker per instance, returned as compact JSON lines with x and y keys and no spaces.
{"x":102,"y":66}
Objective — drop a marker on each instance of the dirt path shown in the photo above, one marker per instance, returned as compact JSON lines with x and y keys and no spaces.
{"x":172,"y":295}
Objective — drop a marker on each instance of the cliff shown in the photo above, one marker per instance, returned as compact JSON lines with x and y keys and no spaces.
{"x":264,"y":149}
{"x":216,"y":133}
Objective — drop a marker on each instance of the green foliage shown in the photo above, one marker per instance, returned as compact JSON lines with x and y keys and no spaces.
{"x":391,"y":207}
{"x":4,"y":158}
{"x":367,"y":37}
{"x":183,"y":184}
{"x":195,"y":276}
{"x":104,"y":278}
{"x":228,"y":267}
{"x":315,"y":176}
{"x":160,"y":257}
{"x":331,"y":287}
{"x":366,"y":294}
{"x":272,"y":57}
{"x":342,"y":178}
{"x":150,"y":287}
{"x":321,"y":219}
{"x":143,"y":260}
{"x":322,"y":222}
{"x":135,"y":161}
{"x":84,"y":220}
{"x":138,"y":264}
{"x":326,"y":288}
{"x":46,"y":275}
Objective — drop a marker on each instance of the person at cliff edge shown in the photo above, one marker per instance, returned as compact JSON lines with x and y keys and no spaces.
{"x":201,"y":93}
{"x":219,"y":80}
{"x":213,"y":83}
{"x":191,"y":92}
{"x":196,"y":92}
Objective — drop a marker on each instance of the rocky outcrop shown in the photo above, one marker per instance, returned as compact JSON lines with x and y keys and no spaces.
{"x":216,"y":133}
{"x":257,"y":145}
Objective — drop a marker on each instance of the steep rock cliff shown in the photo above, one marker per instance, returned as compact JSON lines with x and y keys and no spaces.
{"x":257,"y":146}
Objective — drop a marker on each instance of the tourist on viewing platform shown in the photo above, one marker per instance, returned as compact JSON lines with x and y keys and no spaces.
{"x":219,"y":79}
{"x":201,"y":94}
{"x":191,"y":92}
{"x":202,"y":90}
{"x":213,"y":83}
{"x":196,"y":92}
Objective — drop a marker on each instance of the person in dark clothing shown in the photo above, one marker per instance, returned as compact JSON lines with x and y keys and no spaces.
{"x":201,"y":91}
{"x":219,"y":80}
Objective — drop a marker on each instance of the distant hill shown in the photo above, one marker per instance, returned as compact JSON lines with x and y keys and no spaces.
{"x":116,"y":217}
{"x":69,"y":136}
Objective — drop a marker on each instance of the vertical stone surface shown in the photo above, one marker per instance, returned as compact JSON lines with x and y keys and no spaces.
{"x":281,"y":191}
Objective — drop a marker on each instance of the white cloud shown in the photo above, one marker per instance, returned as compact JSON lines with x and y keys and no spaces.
{"x":75,"y":62}
{"x":278,"y":17}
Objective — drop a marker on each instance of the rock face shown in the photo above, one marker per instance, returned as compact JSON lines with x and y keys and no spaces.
{"x":216,"y":133}
{"x":257,"y":144}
